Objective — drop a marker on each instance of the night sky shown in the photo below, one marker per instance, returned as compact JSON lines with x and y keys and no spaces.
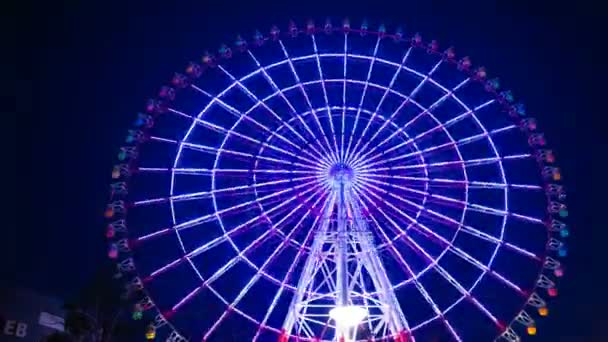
{"x":85,"y":69}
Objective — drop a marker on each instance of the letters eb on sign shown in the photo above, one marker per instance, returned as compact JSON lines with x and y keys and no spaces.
{"x":15,"y":328}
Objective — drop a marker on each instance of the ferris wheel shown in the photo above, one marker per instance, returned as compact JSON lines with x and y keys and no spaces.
{"x":337,"y":184}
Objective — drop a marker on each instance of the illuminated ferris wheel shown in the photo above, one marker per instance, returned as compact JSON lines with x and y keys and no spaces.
{"x":337,"y":184}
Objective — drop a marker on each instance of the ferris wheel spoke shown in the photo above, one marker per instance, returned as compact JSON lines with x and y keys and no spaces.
{"x":443,"y":126}
{"x":440,"y":240}
{"x":228,"y":132}
{"x":239,"y":115}
{"x":418,"y":208}
{"x":217,"y":241}
{"x":258,"y":241}
{"x":446,"y":182}
{"x":365,"y":86}
{"x":259,"y":102}
{"x":254,"y":279}
{"x":455,"y":202}
{"x":444,"y":243}
{"x":438,"y":217}
{"x":399,"y":257}
{"x":450,"y":279}
{"x":232,"y":191}
{"x":322,"y":79}
{"x":292,"y":266}
{"x":208,"y":282}
{"x":266,"y":263}
{"x":305,"y":94}
{"x":214,"y":216}
{"x":451,"y":144}
{"x":215,"y":150}
{"x":380,"y":102}
{"x":464,"y":162}
{"x":484,"y":236}
{"x":289,"y":104}
{"x":463,"y":255}
{"x":361,"y":197}
{"x":388,"y":242}
{"x":408,"y":99}
{"x":222,"y":171}
{"x":343,"y":128}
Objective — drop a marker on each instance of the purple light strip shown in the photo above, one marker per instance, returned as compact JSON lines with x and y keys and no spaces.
{"x":432,"y":263}
{"x":342,"y":131}
{"x":408,"y":99}
{"x":216,"y":150}
{"x":390,"y":86}
{"x":470,"y":184}
{"x":204,"y":171}
{"x":154,"y":234}
{"x":470,"y":162}
{"x":444,"y":243}
{"x":205,"y":218}
{"x":460,"y":226}
{"x":228,"y":132}
{"x":259,"y":240}
{"x":287,"y":276}
{"x":268,"y":261}
{"x":333,"y":157}
{"x":232,"y":262}
{"x":380,"y":87}
{"x":166,"y":267}
{"x":404,"y":263}
{"x":365,"y":86}
{"x":221,"y":239}
{"x":465,"y":205}
{"x":411,"y":140}
{"x":424,"y":110}
{"x":252,"y":95}
{"x":282,"y":95}
{"x":237,"y":114}
{"x":322,"y":78}
{"x":203,"y":194}
{"x":447,"y":276}
{"x":460,"y":142}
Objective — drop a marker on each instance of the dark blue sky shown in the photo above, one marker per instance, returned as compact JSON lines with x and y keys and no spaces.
{"x":86,"y":68}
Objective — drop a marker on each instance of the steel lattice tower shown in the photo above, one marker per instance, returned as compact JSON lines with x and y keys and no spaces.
{"x":344,"y":281}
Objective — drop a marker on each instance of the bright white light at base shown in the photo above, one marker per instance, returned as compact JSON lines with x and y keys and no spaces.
{"x":348,"y":316}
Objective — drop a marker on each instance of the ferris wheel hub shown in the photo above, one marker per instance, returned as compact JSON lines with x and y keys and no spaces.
{"x":341,"y":173}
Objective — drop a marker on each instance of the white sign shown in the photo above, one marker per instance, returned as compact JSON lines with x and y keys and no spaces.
{"x":51,"y":321}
